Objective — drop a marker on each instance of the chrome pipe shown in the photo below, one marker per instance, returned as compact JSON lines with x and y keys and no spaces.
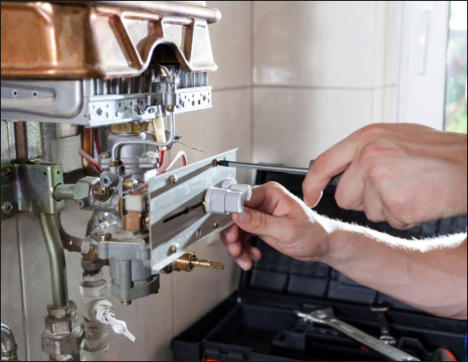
{"x":8,"y":346}
{"x":58,"y":270}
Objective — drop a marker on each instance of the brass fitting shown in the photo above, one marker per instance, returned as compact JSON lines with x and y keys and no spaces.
{"x":129,"y":183}
{"x":129,"y":128}
{"x":188,"y":261}
{"x":100,"y":193}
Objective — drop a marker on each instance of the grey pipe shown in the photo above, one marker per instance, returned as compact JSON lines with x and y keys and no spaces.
{"x":64,"y":192}
{"x":8,"y":344}
{"x":58,"y":270}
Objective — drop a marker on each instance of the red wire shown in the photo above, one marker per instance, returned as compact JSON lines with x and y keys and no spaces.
{"x":180,"y":154}
{"x":96,"y":140}
{"x":91,"y":160}
{"x":161,"y":157}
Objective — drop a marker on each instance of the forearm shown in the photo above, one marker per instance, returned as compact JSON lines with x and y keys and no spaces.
{"x":429,"y":274}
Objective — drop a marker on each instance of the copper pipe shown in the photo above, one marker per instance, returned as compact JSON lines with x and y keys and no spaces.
{"x":87,"y":145}
{"x":21,"y":141}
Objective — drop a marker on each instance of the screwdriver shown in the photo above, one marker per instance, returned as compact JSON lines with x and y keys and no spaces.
{"x":264,"y":167}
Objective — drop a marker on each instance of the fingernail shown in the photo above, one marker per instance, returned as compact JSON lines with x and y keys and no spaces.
{"x":243,"y":217}
{"x":243,"y":264}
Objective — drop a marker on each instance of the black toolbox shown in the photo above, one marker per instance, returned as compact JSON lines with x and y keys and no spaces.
{"x":257,"y":322}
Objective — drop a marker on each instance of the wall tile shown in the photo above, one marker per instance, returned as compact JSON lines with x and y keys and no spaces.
{"x":313,"y":43}
{"x":227,"y":125}
{"x":197,"y":292}
{"x":231,"y":42}
{"x":36,"y":280}
{"x":11,"y":300}
{"x":293,"y":126}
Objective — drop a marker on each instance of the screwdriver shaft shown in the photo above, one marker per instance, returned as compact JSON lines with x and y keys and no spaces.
{"x":263,"y":167}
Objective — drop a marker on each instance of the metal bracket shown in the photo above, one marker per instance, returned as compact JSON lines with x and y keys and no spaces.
{"x":177,"y":214}
{"x":29,"y":187}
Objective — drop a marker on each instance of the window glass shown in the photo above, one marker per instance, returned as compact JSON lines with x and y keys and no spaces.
{"x":455,"y":92}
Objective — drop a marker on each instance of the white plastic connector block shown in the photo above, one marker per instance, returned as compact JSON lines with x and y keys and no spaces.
{"x":229,"y":198}
{"x":103,"y":311}
{"x":134,"y":203}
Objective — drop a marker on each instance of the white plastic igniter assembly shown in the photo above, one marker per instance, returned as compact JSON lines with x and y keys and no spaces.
{"x":229,"y":198}
{"x":103,"y":311}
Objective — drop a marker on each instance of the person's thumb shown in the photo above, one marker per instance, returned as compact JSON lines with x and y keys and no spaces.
{"x":258,"y":223}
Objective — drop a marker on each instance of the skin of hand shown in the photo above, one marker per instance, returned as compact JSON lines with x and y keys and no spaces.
{"x":280,"y":219}
{"x":432,"y":280}
{"x":404,"y":174}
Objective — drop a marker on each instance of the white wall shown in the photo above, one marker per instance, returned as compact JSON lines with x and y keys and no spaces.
{"x":320,"y":71}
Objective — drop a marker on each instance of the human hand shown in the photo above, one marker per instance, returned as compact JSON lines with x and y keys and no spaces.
{"x":280,"y":219}
{"x":401,"y":173}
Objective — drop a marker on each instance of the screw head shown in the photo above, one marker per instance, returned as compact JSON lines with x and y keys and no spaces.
{"x":7,"y":207}
{"x":172,"y":249}
{"x":215,"y":224}
{"x":173,"y":179}
{"x":7,"y":172}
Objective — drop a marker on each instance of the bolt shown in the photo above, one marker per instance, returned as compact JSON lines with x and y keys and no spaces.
{"x":172,"y":250}
{"x":104,"y":155}
{"x":147,"y":220}
{"x":197,"y":233}
{"x":170,"y":108}
{"x":80,"y":204}
{"x":7,"y":172}
{"x":215,"y":224}
{"x":173,"y":179}
{"x":126,"y":302}
{"x":99,"y":112}
{"x":7,"y":207}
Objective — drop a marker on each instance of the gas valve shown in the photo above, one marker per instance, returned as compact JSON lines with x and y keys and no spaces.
{"x":229,"y":198}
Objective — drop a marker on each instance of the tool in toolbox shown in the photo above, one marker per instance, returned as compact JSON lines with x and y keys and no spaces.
{"x":326,"y":316}
{"x":385,"y":336}
{"x":265,"y":167}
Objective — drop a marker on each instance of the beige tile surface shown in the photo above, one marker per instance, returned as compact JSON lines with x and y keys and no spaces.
{"x":11,"y":300}
{"x":227,"y":125}
{"x":293,"y":126}
{"x":231,"y":43}
{"x":197,"y":292}
{"x":313,"y":43}
{"x":36,"y":281}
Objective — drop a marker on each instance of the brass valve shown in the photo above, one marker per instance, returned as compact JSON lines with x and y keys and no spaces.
{"x":189,"y":260}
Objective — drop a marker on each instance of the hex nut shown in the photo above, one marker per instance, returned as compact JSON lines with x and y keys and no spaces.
{"x":100,"y":192}
{"x":7,"y":207}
